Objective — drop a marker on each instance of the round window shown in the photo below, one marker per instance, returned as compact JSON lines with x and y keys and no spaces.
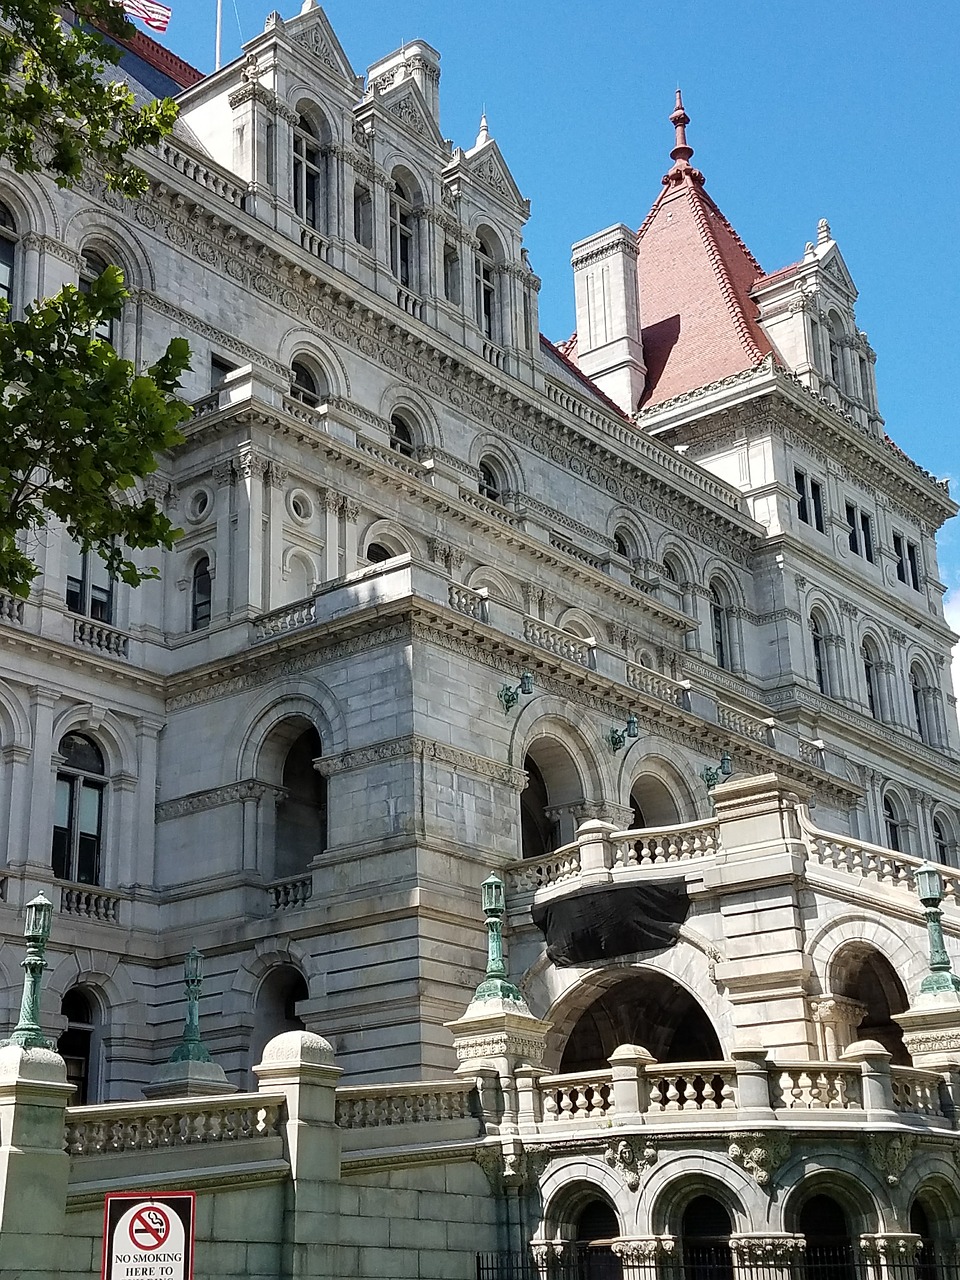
{"x":299,"y":505}
{"x":199,"y":504}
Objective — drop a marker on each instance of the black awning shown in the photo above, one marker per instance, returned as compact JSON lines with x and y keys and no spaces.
{"x":599,"y":924}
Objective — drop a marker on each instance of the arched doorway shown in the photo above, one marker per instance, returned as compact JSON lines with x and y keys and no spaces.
{"x":825,"y":1227}
{"x":302,"y":811}
{"x":597,"y":1227}
{"x":867,"y":977}
{"x":79,"y":1045}
{"x":705,"y":1239}
{"x":653,"y":803}
{"x":921,"y":1224}
{"x":647,"y":1009}
{"x":550,"y":800}
{"x":276,"y":1007}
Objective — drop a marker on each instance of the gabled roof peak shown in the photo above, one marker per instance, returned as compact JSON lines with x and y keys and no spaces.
{"x":682,"y":151}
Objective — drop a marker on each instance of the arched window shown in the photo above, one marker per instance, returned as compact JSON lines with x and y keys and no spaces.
{"x":926,"y":1265}
{"x":275,"y":1010}
{"x":402,"y":437}
{"x":705,"y":1236}
{"x":485,"y":290}
{"x":304,"y":385}
{"x":302,"y":812}
{"x":538,"y":831}
{"x":829,"y":1250}
{"x":403,"y":235}
{"x":818,"y":637}
{"x":491,"y":485}
{"x":625,"y":544}
{"x":8,"y":253}
{"x":75,"y":1045}
{"x":92,"y":267}
{"x":941,"y":840}
{"x":597,"y":1226}
{"x":363,"y":216}
{"x":78,"y":811}
{"x":307,"y":174}
{"x":870,"y":659}
{"x":720,"y":626}
{"x":201,"y":595}
{"x":893,"y":823}
{"x":377,"y":553}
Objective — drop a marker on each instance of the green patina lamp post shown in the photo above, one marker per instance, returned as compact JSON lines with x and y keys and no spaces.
{"x":36,"y":930}
{"x":712,"y":775}
{"x":191,"y":1047}
{"x":495,"y":985}
{"x":930,"y":892}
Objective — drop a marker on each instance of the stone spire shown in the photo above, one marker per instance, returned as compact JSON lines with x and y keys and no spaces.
{"x":483,"y":137}
{"x":682,"y":151}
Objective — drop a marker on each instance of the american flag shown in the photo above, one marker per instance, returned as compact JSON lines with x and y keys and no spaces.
{"x":156,"y":16}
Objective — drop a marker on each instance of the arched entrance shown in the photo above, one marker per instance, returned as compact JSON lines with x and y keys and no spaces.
{"x":275,"y":1010}
{"x":596,"y":1228}
{"x":865,"y":976}
{"x":653,"y":803}
{"x":295,"y":828}
{"x":644,"y":1008}
{"x":829,"y":1246}
{"x":550,"y":800}
{"x":705,"y":1238}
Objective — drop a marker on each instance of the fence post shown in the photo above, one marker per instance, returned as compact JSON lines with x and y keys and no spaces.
{"x":876,"y":1080}
{"x":596,"y":851}
{"x":753,"y":1081}
{"x":631,"y":1091}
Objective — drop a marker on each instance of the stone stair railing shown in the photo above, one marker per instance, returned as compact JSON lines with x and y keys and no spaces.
{"x":173,"y":1122}
{"x":378,"y":1106}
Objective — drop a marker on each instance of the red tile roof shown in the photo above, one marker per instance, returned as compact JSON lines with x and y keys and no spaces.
{"x":160,"y":58}
{"x":699,"y":322}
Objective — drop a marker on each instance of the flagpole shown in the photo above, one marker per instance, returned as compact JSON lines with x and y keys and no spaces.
{"x":219,"y":32}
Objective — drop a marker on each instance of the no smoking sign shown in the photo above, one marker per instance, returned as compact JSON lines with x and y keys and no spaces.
{"x":148,"y":1237}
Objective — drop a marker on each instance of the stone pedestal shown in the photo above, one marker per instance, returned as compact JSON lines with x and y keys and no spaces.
{"x":931,"y":1030}
{"x":33,"y":1164}
{"x":503,"y":1035}
{"x":188,"y":1080}
{"x":300,"y":1065}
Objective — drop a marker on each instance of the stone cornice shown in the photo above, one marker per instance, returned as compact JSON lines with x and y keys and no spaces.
{"x":412,"y":746}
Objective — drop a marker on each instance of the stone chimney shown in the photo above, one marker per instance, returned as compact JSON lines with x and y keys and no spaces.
{"x":609,"y":348}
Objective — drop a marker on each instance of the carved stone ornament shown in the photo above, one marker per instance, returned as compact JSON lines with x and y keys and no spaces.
{"x":642,"y":1250}
{"x":314,"y":41}
{"x":890,"y":1154}
{"x":628,"y":1163}
{"x":760,"y":1154}
{"x":766,"y":1249}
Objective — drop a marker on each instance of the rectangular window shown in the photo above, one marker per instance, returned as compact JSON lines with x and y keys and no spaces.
{"x":803,"y":510}
{"x":866,"y":528}
{"x":854,"y":535}
{"x":809,"y":499}
{"x":363,"y":216}
{"x":451,"y":274}
{"x":89,"y":587}
{"x":219,"y":368}
{"x":816,"y":498}
{"x":900,"y":553}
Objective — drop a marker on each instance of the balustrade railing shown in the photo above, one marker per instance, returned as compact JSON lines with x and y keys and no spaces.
{"x":409,"y":302}
{"x":916,"y":1092}
{"x":746,"y":725}
{"x":538,"y":873}
{"x":314,"y":243}
{"x":577,"y":1098}
{"x":94,"y":635}
{"x":660,"y":845}
{"x":11,"y":610}
{"x":494,"y":355}
{"x":690,"y":1087}
{"x":560,"y":643}
{"x":202,"y":173}
{"x":90,"y":904}
{"x":174,"y":1122}
{"x":493,"y":510}
{"x":473,"y":604}
{"x":645,"y":680}
{"x":368,"y":1107}
{"x":817,"y":1086}
{"x":290,"y":618}
{"x":293,"y":892}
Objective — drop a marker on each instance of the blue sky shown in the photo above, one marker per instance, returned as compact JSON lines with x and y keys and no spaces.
{"x":799,"y":111}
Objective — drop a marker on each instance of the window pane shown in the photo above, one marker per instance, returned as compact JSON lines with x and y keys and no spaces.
{"x":61,"y":804}
{"x":88,"y":860}
{"x":816,"y":493}
{"x":89,"y":811}
{"x":60,"y":853}
{"x":7,"y":253}
{"x":80,"y":753}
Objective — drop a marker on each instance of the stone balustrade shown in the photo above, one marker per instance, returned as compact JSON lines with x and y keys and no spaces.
{"x":538,"y":873}
{"x":295,"y":891}
{"x":746,"y":725}
{"x":94,"y":635}
{"x":90,"y":903}
{"x":472,"y":604}
{"x":656,"y":685}
{"x":659,"y":845}
{"x":302,"y":613}
{"x":638,"y":1091}
{"x":174,"y":1122}
{"x":375,"y":1107}
{"x":11,"y":610}
{"x":560,"y":643}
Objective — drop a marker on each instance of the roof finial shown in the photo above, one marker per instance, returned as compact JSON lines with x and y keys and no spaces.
{"x":682,"y":151}
{"x":484,"y":135}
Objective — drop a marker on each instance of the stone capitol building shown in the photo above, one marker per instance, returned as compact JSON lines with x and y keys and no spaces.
{"x":546,"y":745}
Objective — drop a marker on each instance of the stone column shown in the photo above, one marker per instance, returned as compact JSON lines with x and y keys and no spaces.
{"x":40,"y":822}
{"x":758,"y":1256}
{"x":34,"y":1166}
{"x":631,"y":1090}
{"x":891,"y":1255}
{"x":300,"y":1065}
{"x":596,"y":852}
{"x":351,"y":550}
{"x":248,"y":572}
{"x":220,"y":569}
{"x":642,"y":1256}
{"x":837,"y":1019}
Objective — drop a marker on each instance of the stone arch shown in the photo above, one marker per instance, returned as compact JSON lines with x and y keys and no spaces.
{"x":492,"y":450}
{"x":497,"y":584}
{"x":415,"y":189}
{"x":391,"y":535}
{"x":92,"y":232}
{"x":31,"y":206}
{"x":493,"y":241}
{"x":295,"y":698}
{"x":15,"y":730}
{"x":907,"y":956}
{"x":578,"y":623}
{"x":853,"y":1186}
{"x":97,"y":971}
{"x":106,"y":730}
{"x":319,"y":117}
{"x":624,"y":523}
{"x":652,"y":770}
{"x":934,"y":1188}
{"x":299,"y":343}
{"x":863,"y":974}
{"x":253,"y":968}
{"x":670,"y":551}
{"x":567,"y":1186}
{"x":298,"y":569}
{"x":562,"y":995}
{"x":679,"y":1177}
{"x":406,"y":401}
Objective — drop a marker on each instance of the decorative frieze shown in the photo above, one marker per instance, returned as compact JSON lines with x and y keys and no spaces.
{"x":215,"y":798}
{"x":629,"y":1159}
{"x":760,"y":1154}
